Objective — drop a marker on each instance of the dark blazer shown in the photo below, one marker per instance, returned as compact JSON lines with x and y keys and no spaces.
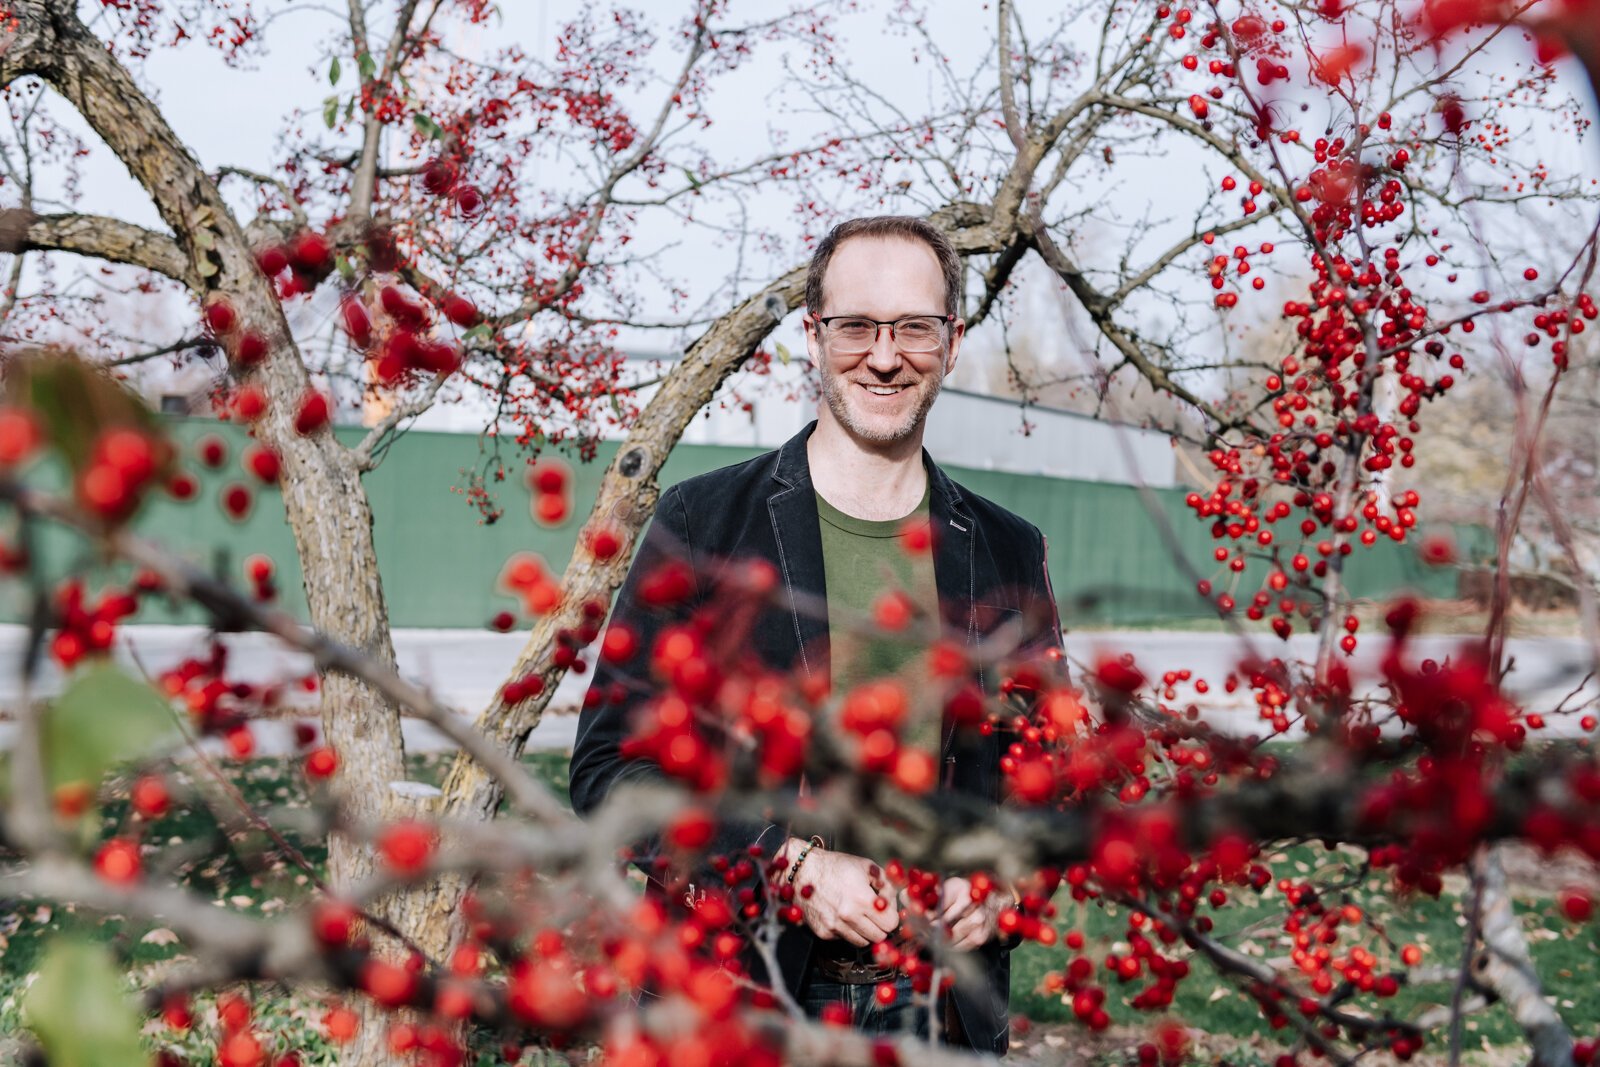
{"x":990,"y":568}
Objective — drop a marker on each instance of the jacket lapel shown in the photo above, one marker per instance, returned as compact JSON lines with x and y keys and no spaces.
{"x":952,"y":553}
{"x":792,"y":506}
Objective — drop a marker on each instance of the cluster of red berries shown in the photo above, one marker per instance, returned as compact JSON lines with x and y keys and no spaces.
{"x":83,"y":630}
{"x":297,"y":266}
{"x":123,"y":463}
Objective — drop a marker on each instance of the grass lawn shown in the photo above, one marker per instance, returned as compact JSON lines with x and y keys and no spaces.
{"x":244,"y":870}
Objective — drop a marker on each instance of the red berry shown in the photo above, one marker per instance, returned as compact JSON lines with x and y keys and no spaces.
{"x":439,"y":177}
{"x":313,"y":414}
{"x":272,"y":259}
{"x":220,"y":317}
{"x":241,"y":1049}
{"x":236,"y":501}
{"x":407,"y":846}
{"x":357,"y":323}
{"x":469,"y":200}
{"x":212,"y":450}
{"x":460,"y":310}
{"x":548,"y":476}
{"x":182,"y":486}
{"x":1577,"y":905}
{"x":333,"y":921}
{"x":551,"y":508}
{"x":321,"y":764}
{"x":249,"y":403}
{"x":118,"y":861}
{"x":149,"y":797}
{"x":310,"y":254}
{"x":19,"y":436}
{"x":250,"y":350}
{"x":263,"y":462}
{"x":340,"y":1024}
{"x":605,"y":545}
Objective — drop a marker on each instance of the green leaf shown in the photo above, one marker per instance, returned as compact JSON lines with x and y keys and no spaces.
{"x":78,"y":1011}
{"x":481,"y":332}
{"x":333,"y":71}
{"x":103,"y":718}
{"x":346,"y":271}
{"x":783,"y":352}
{"x":426,"y":126}
{"x":366,"y":66}
{"x":207,"y":268}
{"x":694,"y":179}
{"x":204,"y":239}
{"x":330,"y":110}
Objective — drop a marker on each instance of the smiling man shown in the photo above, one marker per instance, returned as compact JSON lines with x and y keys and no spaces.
{"x":829,"y":511}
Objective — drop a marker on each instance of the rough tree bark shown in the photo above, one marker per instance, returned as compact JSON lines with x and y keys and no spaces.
{"x":207,"y":252}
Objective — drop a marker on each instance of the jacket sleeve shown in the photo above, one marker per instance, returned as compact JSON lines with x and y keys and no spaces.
{"x":598,"y":763}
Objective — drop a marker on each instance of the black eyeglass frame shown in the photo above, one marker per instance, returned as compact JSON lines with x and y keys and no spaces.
{"x":946,"y":320}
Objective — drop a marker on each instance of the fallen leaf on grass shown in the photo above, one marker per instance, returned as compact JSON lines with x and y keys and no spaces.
{"x":160,"y":936}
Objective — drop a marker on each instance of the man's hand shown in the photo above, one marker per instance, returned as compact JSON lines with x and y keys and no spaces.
{"x":846,"y":901}
{"x":968,"y":923}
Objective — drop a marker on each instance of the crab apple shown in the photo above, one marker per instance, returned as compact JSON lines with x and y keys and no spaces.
{"x":309,"y":252}
{"x":1576,"y":904}
{"x":1198,"y":105}
{"x":357,"y":323}
{"x":551,"y":509}
{"x":914,"y":771}
{"x":333,"y":921}
{"x":175,"y":1012}
{"x":459,"y":310}
{"x":313,"y":413}
{"x":439,"y":176}
{"x":272,"y":260}
{"x":263,"y":462}
{"x":407,"y":846}
{"x":250,"y":349}
{"x":620,"y":644}
{"x":549,"y":476}
{"x":340,"y":1024}
{"x":392,"y":985}
{"x":916,"y":537}
{"x":212,"y":451}
{"x":692,"y":829}
{"x":236,"y":500}
{"x":150,"y":797}
{"x":240,"y":741}
{"x":321,"y":763}
{"x":182,"y":486}
{"x":249,"y":403}
{"x":605,"y":544}
{"x":503,"y":621}
{"x":241,"y":1049}
{"x":118,"y":861}
{"x":469,"y":200}
{"x":220,"y":318}
{"x":19,"y":436}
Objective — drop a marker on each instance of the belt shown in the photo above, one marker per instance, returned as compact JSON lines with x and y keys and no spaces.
{"x":851,"y":967}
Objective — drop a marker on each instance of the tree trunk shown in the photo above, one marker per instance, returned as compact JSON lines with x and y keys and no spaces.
{"x":323,"y":497}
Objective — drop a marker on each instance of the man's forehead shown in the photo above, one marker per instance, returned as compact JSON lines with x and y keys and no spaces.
{"x":887,"y":266}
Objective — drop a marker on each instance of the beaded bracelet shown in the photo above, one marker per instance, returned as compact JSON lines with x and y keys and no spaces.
{"x":815,"y":842}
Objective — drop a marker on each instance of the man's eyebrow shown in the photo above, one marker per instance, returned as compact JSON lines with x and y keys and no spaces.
{"x":892,"y":318}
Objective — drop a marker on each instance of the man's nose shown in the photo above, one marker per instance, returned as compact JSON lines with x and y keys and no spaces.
{"x":884,"y":355}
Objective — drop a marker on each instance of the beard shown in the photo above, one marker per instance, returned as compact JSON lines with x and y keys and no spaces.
{"x":837,"y":390}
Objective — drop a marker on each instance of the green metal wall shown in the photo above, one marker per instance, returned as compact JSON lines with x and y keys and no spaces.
{"x":1108,"y":559}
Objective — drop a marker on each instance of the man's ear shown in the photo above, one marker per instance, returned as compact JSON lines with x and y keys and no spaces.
{"x":813,"y":339}
{"x":958,"y":330}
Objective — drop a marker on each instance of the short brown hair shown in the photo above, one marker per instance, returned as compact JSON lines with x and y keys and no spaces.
{"x":907,"y":227}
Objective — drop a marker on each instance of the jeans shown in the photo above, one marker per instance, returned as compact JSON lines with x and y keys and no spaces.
{"x":907,"y":1015}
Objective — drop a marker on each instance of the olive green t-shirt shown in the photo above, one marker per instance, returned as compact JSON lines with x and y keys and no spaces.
{"x":863,"y":559}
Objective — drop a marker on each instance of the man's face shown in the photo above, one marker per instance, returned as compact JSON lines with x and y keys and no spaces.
{"x":882,"y":395}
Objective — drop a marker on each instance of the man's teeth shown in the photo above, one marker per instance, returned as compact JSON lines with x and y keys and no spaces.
{"x":884,"y":390}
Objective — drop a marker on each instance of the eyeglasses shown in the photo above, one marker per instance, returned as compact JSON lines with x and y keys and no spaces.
{"x":852,"y":334}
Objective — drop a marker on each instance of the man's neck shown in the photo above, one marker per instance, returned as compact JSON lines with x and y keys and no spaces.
{"x":863,"y":479}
